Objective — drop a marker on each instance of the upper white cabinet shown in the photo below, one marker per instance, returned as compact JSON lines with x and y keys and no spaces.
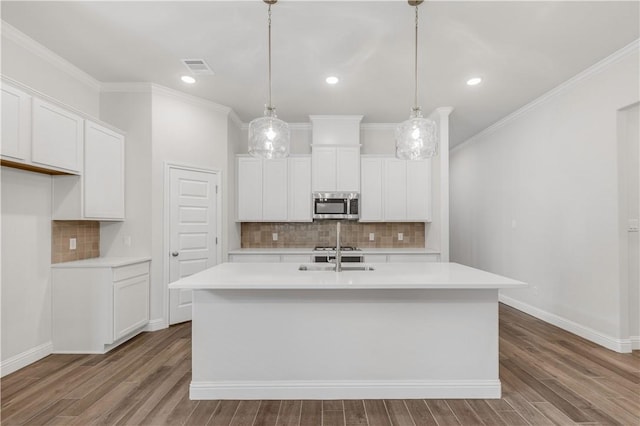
{"x":273,"y":190}
{"x":395,"y":190}
{"x":16,"y":124}
{"x":57,"y":136}
{"x":299,"y":189}
{"x":335,"y":153}
{"x":336,"y":169}
{"x":99,"y":193}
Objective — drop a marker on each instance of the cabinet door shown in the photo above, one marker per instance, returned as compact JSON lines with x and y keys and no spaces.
{"x":419,"y":191}
{"x":371,"y":190}
{"x":274,"y":190}
{"x":16,"y":119}
{"x":57,"y":137}
{"x":130,"y":305}
{"x":348,"y":169}
{"x":323,"y":169}
{"x":103,"y":175}
{"x":300,"y":189}
{"x":395,"y":190}
{"x":249,"y":181}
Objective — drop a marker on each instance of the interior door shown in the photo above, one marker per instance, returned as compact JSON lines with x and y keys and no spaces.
{"x":193,"y":232}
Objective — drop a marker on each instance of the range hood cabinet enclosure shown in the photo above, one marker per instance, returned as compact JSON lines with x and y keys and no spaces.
{"x":335,"y":153}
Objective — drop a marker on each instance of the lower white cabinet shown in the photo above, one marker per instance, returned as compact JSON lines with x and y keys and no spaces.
{"x":276,"y":258}
{"x":97,"y":306}
{"x":405,"y":257}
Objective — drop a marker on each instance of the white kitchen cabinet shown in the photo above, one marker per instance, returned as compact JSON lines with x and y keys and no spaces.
{"x":99,"y":193}
{"x":249,"y":194}
{"x":299,"y":201}
{"x":262,"y":190}
{"x":335,"y":168}
{"x":16,"y":124}
{"x":431,"y":257}
{"x":395,"y":190}
{"x":57,"y":137}
{"x":273,"y":190}
{"x":98,"y":305}
{"x":371,"y":208}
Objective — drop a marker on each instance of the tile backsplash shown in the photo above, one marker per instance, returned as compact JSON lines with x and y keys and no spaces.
{"x":86,"y":233}
{"x":318,"y":233}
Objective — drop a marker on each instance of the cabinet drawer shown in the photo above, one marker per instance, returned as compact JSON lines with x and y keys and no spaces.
{"x":296,"y":258}
{"x":130,"y":271}
{"x":375,"y":258}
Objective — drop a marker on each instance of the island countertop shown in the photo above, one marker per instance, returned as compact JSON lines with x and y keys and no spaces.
{"x":274,"y":276}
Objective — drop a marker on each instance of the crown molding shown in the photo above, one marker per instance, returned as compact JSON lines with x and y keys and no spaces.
{"x":378,"y":126}
{"x":596,"y":68}
{"x":193,"y":100}
{"x":126,"y":87}
{"x":11,"y":33}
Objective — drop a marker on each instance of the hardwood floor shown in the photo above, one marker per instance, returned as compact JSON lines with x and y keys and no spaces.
{"x":548,"y":376}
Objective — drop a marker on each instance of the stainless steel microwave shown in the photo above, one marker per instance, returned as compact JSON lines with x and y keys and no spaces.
{"x":336,"y":205}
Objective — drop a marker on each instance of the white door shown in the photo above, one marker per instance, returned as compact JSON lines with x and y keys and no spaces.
{"x":193,"y":232}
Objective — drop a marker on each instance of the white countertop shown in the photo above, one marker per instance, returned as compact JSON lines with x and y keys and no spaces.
{"x":101,"y":262}
{"x":271,"y":276}
{"x":310,"y":250}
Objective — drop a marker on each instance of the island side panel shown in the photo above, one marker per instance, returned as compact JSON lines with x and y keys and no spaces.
{"x":345,"y":344}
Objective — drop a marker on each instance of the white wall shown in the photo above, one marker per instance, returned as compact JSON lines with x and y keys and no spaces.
{"x":29,"y":63}
{"x":191,"y":132}
{"x":535,"y":198}
{"x":26,"y":259}
{"x":131,"y":112}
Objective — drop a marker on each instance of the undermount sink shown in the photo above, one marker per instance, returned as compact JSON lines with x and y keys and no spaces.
{"x":332,"y":268}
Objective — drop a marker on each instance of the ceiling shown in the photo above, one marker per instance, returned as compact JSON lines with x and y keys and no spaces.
{"x":520,"y":49}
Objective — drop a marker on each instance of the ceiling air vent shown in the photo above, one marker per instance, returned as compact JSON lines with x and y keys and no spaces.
{"x":197,"y":66}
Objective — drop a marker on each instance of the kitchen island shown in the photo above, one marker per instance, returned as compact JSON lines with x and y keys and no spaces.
{"x":404,"y":330}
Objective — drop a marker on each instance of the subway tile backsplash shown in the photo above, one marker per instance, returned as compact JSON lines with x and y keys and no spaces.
{"x":320,"y":233}
{"x":86,"y":233}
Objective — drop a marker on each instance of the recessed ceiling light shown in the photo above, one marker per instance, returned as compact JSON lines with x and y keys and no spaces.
{"x":188,"y":79}
{"x":332,"y":80}
{"x":474,"y":81}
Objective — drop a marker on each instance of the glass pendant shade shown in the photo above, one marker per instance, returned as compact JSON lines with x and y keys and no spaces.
{"x":269,"y":136}
{"x":416,"y":138}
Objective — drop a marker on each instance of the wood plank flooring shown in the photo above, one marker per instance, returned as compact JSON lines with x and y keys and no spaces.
{"x":549,"y":377}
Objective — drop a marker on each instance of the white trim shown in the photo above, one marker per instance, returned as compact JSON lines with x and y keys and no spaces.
{"x":635,"y":343}
{"x":126,"y":87}
{"x":156,"y":324}
{"x":25,"y":358}
{"x":193,"y":100}
{"x":26,"y":42}
{"x":167,"y":224}
{"x":408,"y":389}
{"x":618,"y":345}
{"x":558,"y":90}
{"x":378,"y":126}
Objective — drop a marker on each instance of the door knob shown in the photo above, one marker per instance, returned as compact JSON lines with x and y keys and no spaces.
{"x":175,"y":254}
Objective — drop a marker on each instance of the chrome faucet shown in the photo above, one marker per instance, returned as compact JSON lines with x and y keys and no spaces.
{"x":338,"y":250}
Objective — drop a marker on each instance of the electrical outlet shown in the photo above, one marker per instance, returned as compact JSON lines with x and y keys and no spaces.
{"x":372,"y":236}
{"x":274,"y":236}
{"x":400,"y":236}
{"x":72,"y":243}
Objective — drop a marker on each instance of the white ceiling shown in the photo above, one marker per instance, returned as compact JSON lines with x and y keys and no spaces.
{"x":521,"y":49}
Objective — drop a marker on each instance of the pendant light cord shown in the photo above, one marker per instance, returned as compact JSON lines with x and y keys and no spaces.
{"x":415,"y":70}
{"x":270,"y":106}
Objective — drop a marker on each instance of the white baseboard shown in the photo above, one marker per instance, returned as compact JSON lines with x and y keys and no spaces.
{"x":635,"y":343}
{"x":156,"y":324}
{"x":25,"y":358}
{"x":409,"y":389}
{"x":618,"y":345}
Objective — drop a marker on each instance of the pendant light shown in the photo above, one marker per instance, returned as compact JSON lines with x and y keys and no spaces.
{"x":417,"y":137}
{"x":268,"y":135}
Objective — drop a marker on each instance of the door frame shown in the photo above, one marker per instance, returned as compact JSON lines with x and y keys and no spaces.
{"x":166,"y":245}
